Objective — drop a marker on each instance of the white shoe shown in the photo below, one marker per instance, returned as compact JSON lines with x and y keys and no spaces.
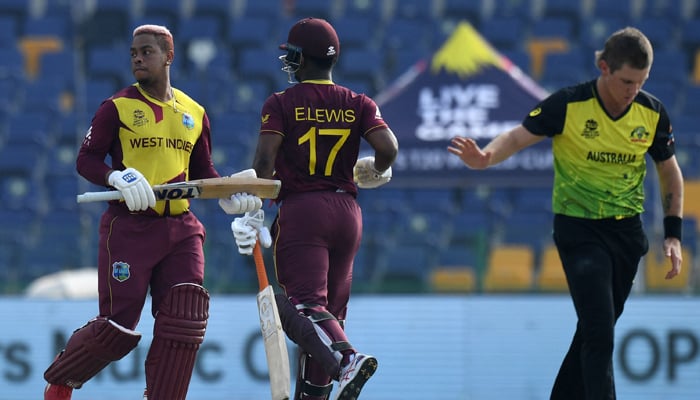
{"x":354,"y":375}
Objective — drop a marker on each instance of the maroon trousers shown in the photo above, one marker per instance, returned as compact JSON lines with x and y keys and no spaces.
{"x":316,"y":236}
{"x":136,"y":252}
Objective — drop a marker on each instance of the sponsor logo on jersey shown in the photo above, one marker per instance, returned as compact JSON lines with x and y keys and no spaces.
{"x":265,"y":118}
{"x":121,"y":271}
{"x":590,"y":131}
{"x":88,"y":137}
{"x":537,"y":111}
{"x":639,"y":135}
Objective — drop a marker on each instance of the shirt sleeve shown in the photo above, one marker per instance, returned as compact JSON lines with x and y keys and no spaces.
{"x":663,"y":146}
{"x":372,"y":117}
{"x":99,"y":141}
{"x":547,"y":118}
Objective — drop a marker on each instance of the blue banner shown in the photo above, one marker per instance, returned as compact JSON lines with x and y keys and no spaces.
{"x":466,"y":89}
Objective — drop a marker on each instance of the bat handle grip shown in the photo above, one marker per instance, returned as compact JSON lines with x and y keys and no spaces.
{"x":260,"y":266}
{"x":99,"y":196}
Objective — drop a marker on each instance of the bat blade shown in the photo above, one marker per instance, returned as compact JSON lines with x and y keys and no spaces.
{"x":273,"y":335}
{"x":210,"y":188}
{"x":275,"y":343}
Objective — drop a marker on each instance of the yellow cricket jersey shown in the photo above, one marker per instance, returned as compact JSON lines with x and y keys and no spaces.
{"x":162,"y":140}
{"x":599,"y":161}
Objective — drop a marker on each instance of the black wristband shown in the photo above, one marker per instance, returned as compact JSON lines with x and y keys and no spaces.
{"x":673,"y":227}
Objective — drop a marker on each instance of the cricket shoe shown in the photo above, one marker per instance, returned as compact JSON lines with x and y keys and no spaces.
{"x":354,"y":375}
{"x":57,"y":392}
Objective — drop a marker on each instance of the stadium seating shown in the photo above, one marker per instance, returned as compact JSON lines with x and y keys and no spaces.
{"x":313,"y":8}
{"x":12,"y":63}
{"x":9,"y":29}
{"x":405,"y":268}
{"x":361,"y":63}
{"x":657,"y":265}
{"x":413,"y":239}
{"x":554,"y":28}
{"x":691,"y":197}
{"x":596,"y":29}
{"x":662,"y":33}
{"x":513,"y":8}
{"x":504,"y":33}
{"x":550,"y":274}
{"x":623,"y":9}
{"x":510,"y":268}
{"x":251,"y":32}
{"x":572,"y":66}
{"x":472,"y":11}
{"x":690,"y":35}
{"x":372,"y":10}
{"x":455,"y":271}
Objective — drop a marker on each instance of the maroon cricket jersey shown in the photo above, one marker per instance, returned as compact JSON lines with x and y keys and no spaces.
{"x":322,"y":124}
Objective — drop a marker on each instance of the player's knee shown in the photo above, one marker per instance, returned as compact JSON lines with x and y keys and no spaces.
{"x":183,"y":314}
{"x":312,"y":328}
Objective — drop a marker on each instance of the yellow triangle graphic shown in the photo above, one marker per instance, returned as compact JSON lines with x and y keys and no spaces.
{"x":465,"y":53}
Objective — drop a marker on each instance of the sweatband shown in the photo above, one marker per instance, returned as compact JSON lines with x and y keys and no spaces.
{"x":673,"y":227}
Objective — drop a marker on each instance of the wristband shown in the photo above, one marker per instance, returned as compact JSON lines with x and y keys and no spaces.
{"x":673,"y":227}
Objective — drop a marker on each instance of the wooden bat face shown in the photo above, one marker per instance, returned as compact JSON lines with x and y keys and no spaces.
{"x":218,"y":188}
{"x":269,"y":316}
{"x":275,"y":344}
{"x":212,"y":188}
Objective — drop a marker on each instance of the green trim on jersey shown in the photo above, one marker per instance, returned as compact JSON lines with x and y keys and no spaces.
{"x":599,"y":162}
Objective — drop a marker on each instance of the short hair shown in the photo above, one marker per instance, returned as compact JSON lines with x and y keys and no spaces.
{"x":162,"y":34}
{"x":626,"y":46}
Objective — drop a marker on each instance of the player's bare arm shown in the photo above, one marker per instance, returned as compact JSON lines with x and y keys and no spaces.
{"x":498,"y":150}
{"x":385,"y":146}
{"x":265,"y":154}
{"x":671,"y":183}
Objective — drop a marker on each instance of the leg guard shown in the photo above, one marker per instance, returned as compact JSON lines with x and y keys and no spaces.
{"x":308,"y":372}
{"x":89,"y":350}
{"x":316,"y":331}
{"x":177,"y":334}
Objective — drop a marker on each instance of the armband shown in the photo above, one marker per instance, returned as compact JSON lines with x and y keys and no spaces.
{"x":673,"y":227}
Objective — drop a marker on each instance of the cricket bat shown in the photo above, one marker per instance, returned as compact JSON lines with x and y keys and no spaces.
{"x":273,"y":336}
{"x":210,"y":188}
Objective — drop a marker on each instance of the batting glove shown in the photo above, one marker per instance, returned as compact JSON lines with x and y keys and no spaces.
{"x":241,"y":203}
{"x":134,"y":187}
{"x":366,"y":176}
{"x":248,"y":229}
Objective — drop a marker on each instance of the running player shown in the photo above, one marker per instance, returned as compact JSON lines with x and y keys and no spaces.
{"x":310,"y":140}
{"x":153,"y":133}
{"x":601,"y":131}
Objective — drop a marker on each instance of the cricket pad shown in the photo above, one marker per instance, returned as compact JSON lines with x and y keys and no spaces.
{"x":178,"y":332}
{"x":89,"y":350}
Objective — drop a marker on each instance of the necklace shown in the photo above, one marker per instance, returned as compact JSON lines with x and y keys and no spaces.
{"x":172,"y":99}
{"x":172,"y":96}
